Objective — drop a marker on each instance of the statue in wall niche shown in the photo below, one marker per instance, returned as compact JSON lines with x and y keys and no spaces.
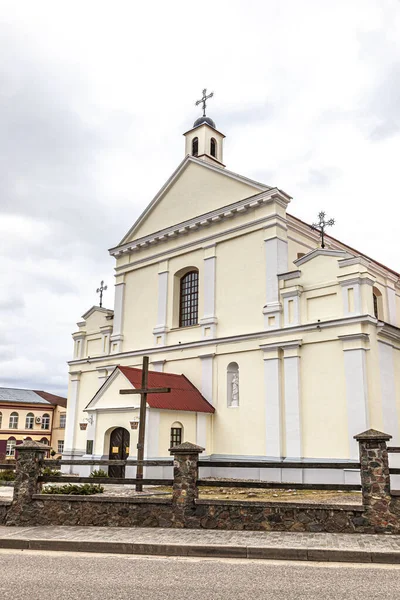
{"x":235,"y":389}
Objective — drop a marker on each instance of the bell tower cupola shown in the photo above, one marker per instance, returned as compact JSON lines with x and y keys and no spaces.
{"x":204,"y":141}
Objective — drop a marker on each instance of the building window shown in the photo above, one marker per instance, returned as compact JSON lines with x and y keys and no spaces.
{"x":232,"y":377}
{"x":213,"y":147}
{"x":13,"y":420}
{"x":63,"y":418}
{"x":60,"y":446}
{"x":10,"y":447}
{"x":89,"y":446}
{"x":189,"y":299}
{"x":378,"y":305}
{"x":176,"y":435}
{"x":30,"y":418}
{"x":46,"y":421}
{"x":195,"y":146}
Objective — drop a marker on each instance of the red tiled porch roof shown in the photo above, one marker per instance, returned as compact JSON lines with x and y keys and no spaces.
{"x":183,"y":395}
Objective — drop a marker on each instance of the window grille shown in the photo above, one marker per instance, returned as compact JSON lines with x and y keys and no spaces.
{"x":189,"y":299}
{"x":176,"y":436}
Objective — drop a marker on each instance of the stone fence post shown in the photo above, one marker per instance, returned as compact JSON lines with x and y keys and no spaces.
{"x":28,"y":468}
{"x":185,"y":490}
{"x":375,"y":481}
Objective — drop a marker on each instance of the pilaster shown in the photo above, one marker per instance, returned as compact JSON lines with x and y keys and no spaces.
{"x":209,"y":320}
{"x":116,"y":338}
{"x":388,"y":390}
{"x":355,"y":347}
{"x":160,"y":330}
{"x":207,"y":361}
{"x":276,"y":262}
{"x":292,"y":387}
{"x":71,"y":423}
{"x":273,"y":401}
{"x":291,"y":305}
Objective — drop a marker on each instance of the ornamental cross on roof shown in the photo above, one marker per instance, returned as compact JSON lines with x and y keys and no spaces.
{"x":321,"y":225}
{"x":100,"y":291}
{"x":204,"y":99}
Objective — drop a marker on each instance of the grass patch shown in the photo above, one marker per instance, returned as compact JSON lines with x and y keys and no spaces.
{"x":72,"y":489}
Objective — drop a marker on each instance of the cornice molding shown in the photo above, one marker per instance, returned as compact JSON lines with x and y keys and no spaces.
{"x":321,"y":252}
{"x":284,"y":331}
{"x":272,"y":195}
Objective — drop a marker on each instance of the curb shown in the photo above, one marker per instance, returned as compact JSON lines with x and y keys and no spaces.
{"x":210,"y":551}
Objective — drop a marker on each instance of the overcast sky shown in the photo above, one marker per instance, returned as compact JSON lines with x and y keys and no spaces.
{"x":95,"y":96}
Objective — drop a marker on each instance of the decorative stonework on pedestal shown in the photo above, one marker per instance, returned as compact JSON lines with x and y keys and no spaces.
{"x":375,"y":480}
{"x":28,"y":468}
{"x":185,"y":490}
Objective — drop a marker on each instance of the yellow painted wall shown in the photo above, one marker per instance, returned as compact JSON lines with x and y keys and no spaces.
{"x":240,"y":430}
{"x":140,"y":307}
{"x":323,"y":398}
{"x":240,"y":293}
{"x":198,"y":190}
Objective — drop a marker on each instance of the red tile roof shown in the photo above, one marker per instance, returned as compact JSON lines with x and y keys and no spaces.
{"x":183,"y":395}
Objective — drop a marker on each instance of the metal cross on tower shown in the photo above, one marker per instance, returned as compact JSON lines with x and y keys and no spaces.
{"x":203,"y":100}
{"x":321,"y":225}
{"x":100,"y":291}
{"x":143,"y":391}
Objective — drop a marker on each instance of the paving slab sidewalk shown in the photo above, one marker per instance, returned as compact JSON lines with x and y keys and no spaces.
{"x":199,"y":542}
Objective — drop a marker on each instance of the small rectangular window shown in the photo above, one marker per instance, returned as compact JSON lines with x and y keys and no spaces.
{"x":63,"y":418}
{"x":60,"y":447}
{"x":176,"y":436}
{"x":89,"y":446}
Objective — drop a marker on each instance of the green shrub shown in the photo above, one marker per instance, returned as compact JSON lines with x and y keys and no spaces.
{"x":98,"y":473}
{"x":49,"y":472}
{"x":7,"y":475}
{"x":72,"y":489}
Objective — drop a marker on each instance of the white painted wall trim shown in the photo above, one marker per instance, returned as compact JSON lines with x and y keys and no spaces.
{"x":388,"y":391}
{"x":71,"y":424}
{"x":160,"y":330}
{"x":293,"y":424}
{"x":273,"y":404}
{"x":207,"y":376}
{"x":117,"y":337}
{"x":391,"y":297}
{"x":201,"y":430}
{"x":356,"y":395}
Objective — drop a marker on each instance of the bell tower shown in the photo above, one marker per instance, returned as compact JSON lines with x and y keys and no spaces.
{"x":204,"y":141}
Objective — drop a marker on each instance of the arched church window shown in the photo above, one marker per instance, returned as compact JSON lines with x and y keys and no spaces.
{"x":176,"y":434}
{"x":189,"y":299}
{"x":232,"y":373}
{"x":378,"y":304}
{"x":195,"y":146}
{"x":213,"y":147}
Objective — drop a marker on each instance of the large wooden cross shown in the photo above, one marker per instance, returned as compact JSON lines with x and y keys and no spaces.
{"x":143,"y":391}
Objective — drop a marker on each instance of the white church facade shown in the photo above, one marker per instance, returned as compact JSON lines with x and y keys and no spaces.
{"x":274,"y":348}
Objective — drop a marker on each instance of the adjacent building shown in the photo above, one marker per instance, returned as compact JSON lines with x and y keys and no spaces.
{"x":31,"y":415}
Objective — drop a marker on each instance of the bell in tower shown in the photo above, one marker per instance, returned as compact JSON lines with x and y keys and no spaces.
{"x":204,"y":141}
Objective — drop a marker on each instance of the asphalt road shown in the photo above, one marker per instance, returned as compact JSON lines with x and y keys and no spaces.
{"x":68,"y":576}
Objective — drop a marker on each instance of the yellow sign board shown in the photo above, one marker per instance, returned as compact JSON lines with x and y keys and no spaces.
{"x":115,"y":450}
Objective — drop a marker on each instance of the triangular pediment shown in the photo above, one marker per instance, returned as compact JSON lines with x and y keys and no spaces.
{"x":318,"y":252}
{"x":108,"y":396}
{"x":195,"y":188}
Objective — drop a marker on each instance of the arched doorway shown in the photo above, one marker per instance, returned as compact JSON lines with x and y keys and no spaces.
{"x":119,"y":450}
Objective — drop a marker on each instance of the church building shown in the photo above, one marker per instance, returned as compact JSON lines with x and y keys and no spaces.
{"x":274,"y":347}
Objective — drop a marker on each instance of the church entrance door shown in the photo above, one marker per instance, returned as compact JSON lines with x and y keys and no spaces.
{"x":119,"y":450}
